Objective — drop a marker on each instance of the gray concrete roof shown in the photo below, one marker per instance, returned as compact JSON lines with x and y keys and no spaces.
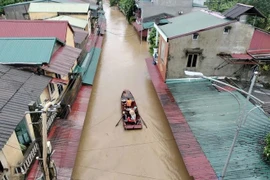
{"x":18,"y":88}
{"x":152,"y":9}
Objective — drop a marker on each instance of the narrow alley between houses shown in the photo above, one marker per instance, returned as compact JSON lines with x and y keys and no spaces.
{"x":109,"y":152}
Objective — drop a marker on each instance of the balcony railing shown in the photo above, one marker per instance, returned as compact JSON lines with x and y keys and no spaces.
{"x":4,"y":176}
{"x":29,"y":157}
{"x":51,"y":119}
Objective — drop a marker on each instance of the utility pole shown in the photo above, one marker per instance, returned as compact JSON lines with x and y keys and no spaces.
{"x":48,"y":165}
{"x":242,"y":120}
{"x":44,"y":140}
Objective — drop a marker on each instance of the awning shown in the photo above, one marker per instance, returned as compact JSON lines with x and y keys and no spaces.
{"x":241,"y":56}
{"x":262,"y":55}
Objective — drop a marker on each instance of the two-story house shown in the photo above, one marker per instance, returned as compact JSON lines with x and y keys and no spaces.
{"x":149,"y":12}
{"x":202,"y":40}
{"x":18,"y":146}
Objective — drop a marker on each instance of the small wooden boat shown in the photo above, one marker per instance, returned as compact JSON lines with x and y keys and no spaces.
{"x":128,"y":125}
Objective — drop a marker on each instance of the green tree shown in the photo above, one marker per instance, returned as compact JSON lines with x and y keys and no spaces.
{"x":152,"y":41}
{"x":127,"y":7}
{"x":7,"y":2}
{"x":114,"y":2}
{"x":263,"y":6}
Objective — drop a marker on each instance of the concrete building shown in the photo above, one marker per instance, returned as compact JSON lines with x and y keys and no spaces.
{"x":18,"y":146}
{"x":157,"y":11}
{"x":49,"y":10}
{"x":200,"y":41}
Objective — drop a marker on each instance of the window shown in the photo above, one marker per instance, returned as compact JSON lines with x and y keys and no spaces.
{"x":195,"y":36}
{"x":192,"y":60}
{"x":227,"y":30}
{"x":58,"y":76}
{"x":60,"y":88}
{"x":51,"y":86}
{"x":22,"y":133}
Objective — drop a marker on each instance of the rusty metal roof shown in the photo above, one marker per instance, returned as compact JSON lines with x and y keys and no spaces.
{"x":34,"y":28}
{"x":260,"y":40}
{"x":63,"y":60}
{"x":18,"y":88}
{"x":241,"y":9}
{"x":79,"y":35}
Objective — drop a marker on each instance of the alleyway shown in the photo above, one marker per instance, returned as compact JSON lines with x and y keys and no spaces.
{"x":107,"y":152}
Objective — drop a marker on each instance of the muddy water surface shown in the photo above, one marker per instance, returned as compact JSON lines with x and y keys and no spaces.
{"x":107,"y":152}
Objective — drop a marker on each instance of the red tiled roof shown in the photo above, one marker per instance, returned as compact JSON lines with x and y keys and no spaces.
{"x":34,"y":28}
{"x":260,"y":40}
{"x":63,"y":60}
{"x":241,"y":56}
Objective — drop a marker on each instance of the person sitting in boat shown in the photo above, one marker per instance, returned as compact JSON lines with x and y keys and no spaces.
{"x":132,"y":119}
{"x":129,"y":103}
{"x":125,"y":116}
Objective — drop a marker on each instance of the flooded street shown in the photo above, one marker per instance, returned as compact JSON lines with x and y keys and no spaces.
{"x":107,"y":152}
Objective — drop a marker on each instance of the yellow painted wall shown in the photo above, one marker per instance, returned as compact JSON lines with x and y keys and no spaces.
{"x":45,"y":95}
{"x":12,"y":151}
{"x":4,"y":162}
{"x":40,"y":15}
{"x":3,"y":159}
{"x":70,"y":38}
{"x":84,"y":17}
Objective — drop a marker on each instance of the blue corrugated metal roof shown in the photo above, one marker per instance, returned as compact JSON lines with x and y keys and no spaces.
{"x":17,"y":89}
{"x":26,"y":50}
{"x":212,"y":117}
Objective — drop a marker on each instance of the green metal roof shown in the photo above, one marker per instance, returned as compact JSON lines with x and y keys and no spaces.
{"x":89,"y":66}
{"x":26,"y":50}
{"x":191,"y":22}
{"x":212,"y":116}
{"x":149,"y":25}
{"x":88,"y":77}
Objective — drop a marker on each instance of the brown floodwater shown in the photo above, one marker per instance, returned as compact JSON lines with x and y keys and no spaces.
{"x":107,"y":152}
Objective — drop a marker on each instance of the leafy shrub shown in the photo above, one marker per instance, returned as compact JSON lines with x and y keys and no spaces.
{"x":152,"y":41}
{"x":113,"y":2}
{"x":266,"y":151}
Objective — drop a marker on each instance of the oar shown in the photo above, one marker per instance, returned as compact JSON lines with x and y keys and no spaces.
{"x":144,"y":123}
{"x":118,"y":122}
